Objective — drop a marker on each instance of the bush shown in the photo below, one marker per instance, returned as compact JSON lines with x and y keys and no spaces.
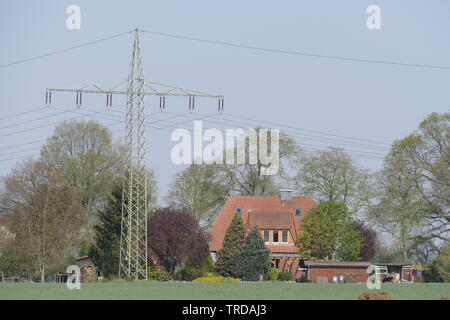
{"x":216,"y":279}
{"x":211,"y":275}
{"x":285,"y":276}
{"x":274,"y":273}
{"x":158,"y":275}
{"x":189,"y":272}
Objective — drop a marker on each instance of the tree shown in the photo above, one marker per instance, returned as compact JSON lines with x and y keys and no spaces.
{"x":202,"y":189}
{"x":252,"y":260}
{"x":440,"y":267}
{"x":422,"y":250}
{"x":43,"y":217}
{"x":247,"y":179}
{"x":176,"y":239}
{"x":85,"y":158}
{"x":397,"y":207}
{"x":83,"y":153}
{"x":234,"y":238}
{"x":370,"y":241}
{"x":105,"y":251}
{"x":332,"y":175}
{"x":428,"y":149}
{"x":328,"y":232}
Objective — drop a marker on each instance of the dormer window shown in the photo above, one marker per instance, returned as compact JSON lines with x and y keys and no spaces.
{"x":266,"y":236}
{"x":238,"y":210}
{"x":298,"y":212}
{"x":284,"y":236}
{"x":275,"y":236}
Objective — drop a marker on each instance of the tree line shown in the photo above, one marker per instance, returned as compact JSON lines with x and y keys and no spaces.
{"x":60,"y":205}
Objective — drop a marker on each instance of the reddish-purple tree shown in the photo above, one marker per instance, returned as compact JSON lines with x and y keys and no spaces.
{"x":370,"y":241}
{"x":175,"y":238}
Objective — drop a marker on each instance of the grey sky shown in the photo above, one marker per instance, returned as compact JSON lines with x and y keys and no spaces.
{"x":369,"y":101}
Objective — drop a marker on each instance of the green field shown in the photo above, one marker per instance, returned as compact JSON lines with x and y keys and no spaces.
{"x":216,"y":291}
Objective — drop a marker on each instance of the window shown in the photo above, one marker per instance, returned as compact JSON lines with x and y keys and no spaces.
{"x":266,"y":236}
{"x":298,"y":212}
{"x":238,"y":210}
{"x":275,"y":236}
{"x":284,"y":236}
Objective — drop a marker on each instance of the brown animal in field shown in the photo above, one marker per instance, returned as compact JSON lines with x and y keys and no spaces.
{"x":374,"y":296}
{"x":395,"y":276}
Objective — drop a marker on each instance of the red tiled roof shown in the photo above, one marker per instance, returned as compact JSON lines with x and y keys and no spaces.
{"x":270,"y":220}
{"x":262,"y":212}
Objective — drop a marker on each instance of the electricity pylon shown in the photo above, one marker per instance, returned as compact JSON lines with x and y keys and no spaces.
{"x":133,"y":238}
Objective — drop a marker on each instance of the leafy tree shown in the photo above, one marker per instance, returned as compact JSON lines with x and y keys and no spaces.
{"x":422,"y":250}
{"x":202,"y":189}
{"x":176,"y":239}
{"x":440,"y":267}
{"x":43,"y":217}
{"x":252,"y":260}
{"x":332,"y":175}
{"x":247,"y":179}
{"x":83,"y":154}
{"x":234,"y":238}
{"x":397,"y":207}
{"x":370,"y":241}
{"x":105,"y":251}
{"x":328,"y":232}
{"x":428,"y":150}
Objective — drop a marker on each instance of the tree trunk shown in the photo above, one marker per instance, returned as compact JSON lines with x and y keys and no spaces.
{"x":42,"y":274}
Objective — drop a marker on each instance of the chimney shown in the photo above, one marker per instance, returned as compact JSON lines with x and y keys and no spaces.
{"x":286,"y":194}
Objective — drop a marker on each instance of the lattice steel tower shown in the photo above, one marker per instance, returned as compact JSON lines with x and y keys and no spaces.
{"x":133,"y":239}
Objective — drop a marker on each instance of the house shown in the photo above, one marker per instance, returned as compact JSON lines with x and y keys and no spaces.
{"x":278,"y":219}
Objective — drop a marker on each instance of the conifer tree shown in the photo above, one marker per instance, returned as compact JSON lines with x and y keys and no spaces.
{"x":252,"y":260}
{"x":234,"y":237}
{"x":105,"y":252}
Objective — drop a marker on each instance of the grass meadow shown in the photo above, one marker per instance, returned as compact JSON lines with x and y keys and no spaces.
{"x":216,"y":291}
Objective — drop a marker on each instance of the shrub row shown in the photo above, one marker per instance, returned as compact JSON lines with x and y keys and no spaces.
{"x":216,"y":279}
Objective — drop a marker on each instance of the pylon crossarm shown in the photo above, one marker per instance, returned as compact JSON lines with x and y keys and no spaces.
{"x":147,"y":93}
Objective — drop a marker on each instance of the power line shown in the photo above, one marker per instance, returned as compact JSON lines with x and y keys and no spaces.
{"x":294,"y":134}
{"x":115,"y":120}
{"x":22,"y":113}
{"x":308,"y":130}
{"x":36,"y":119}
{"x":298,"y":53}
{"x":320,"y":139}
{"x":46,"y":125}
{"x":65,"y":50}
{"x":305,"y":146}
{"x":221,"y":121}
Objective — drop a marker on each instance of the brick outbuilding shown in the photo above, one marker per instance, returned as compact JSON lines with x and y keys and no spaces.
{"x":337,"y":271}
